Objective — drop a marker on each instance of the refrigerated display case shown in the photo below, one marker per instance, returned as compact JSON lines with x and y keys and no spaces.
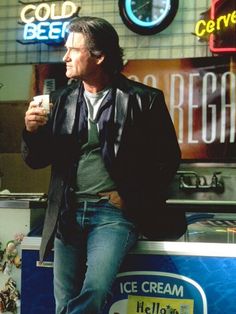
{"x":156,"y":277}
{"x":194,"y":275}
{"x":20,"y":213}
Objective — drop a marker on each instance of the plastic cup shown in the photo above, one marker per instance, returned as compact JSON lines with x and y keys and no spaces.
{"x":43,"y":101}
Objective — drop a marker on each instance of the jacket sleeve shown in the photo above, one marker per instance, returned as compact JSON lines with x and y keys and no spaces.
{"x":165,"y":155}
{"x":37,"y":148}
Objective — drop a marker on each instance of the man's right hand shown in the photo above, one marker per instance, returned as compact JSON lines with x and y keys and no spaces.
{"x":35,"y":117}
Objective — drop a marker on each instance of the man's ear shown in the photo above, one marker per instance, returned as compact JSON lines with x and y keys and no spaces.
{"x":100,"y":59}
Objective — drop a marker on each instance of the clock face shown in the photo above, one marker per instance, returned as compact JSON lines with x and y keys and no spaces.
{"x":147,"y":16}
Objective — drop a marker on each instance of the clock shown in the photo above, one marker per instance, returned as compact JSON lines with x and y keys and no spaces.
{"x":147,"y":17}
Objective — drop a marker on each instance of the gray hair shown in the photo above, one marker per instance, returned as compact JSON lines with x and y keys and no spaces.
{"x":101,"y":38}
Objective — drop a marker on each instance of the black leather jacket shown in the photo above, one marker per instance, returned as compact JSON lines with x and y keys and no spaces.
{"x":139,"y":148}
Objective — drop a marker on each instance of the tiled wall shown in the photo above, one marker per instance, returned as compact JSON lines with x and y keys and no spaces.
{"x":177,"y":41}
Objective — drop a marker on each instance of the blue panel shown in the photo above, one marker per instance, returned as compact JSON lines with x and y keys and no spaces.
{"x":215,"y":276}
{"x":209,"y":281}
{"x":36,"y":286}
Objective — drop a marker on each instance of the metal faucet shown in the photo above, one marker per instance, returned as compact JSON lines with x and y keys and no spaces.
{"x":200,"y":182}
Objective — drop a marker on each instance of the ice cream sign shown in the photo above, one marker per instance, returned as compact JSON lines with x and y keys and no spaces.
{"x":46,"y":21}
{"x":150,"y":292}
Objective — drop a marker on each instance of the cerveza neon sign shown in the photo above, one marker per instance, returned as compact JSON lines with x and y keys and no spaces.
{"x":216,"y":28}
{"x":204,"y":28}
{"x":46,"y":22}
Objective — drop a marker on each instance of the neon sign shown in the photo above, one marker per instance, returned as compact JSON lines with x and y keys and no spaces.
{"x":46,"y":22}
{"x":229,"y":40}
{"x":207,"y":27}
{"x":220,"y":27}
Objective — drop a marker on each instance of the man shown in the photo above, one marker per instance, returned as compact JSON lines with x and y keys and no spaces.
{"x":113,"y":152}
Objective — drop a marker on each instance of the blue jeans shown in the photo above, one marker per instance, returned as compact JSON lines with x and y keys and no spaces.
{"x":85,"y":271}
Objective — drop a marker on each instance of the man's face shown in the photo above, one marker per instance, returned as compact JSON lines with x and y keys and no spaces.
{"x":79,"y":62}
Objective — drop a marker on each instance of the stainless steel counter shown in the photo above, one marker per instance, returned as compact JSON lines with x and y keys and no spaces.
{"x":23,"y":200}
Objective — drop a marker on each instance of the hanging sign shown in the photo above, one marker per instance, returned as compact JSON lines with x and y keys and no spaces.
{"x":220,"y":27}
{"x":46,"y":22}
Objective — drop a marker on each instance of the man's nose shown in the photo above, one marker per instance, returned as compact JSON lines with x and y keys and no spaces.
{"x":66,"y":57}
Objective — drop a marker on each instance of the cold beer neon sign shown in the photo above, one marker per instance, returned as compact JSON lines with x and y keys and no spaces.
{"x":47,"y":22}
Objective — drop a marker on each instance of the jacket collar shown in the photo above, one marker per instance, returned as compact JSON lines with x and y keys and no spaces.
{"x":66,"y":105}
{"x":65,"y":112}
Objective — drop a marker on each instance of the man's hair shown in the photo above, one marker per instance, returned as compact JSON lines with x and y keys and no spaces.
{"x":101,"y":38}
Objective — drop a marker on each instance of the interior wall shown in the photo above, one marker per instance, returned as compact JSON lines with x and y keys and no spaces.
{"x":17,"y":71}
{"x":19,"y":178}
{"x":15,"y":175}
{"x":176,"y":41}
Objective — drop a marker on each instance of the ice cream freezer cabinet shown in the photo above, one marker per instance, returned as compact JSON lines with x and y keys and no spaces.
{"x":155,"y":278}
